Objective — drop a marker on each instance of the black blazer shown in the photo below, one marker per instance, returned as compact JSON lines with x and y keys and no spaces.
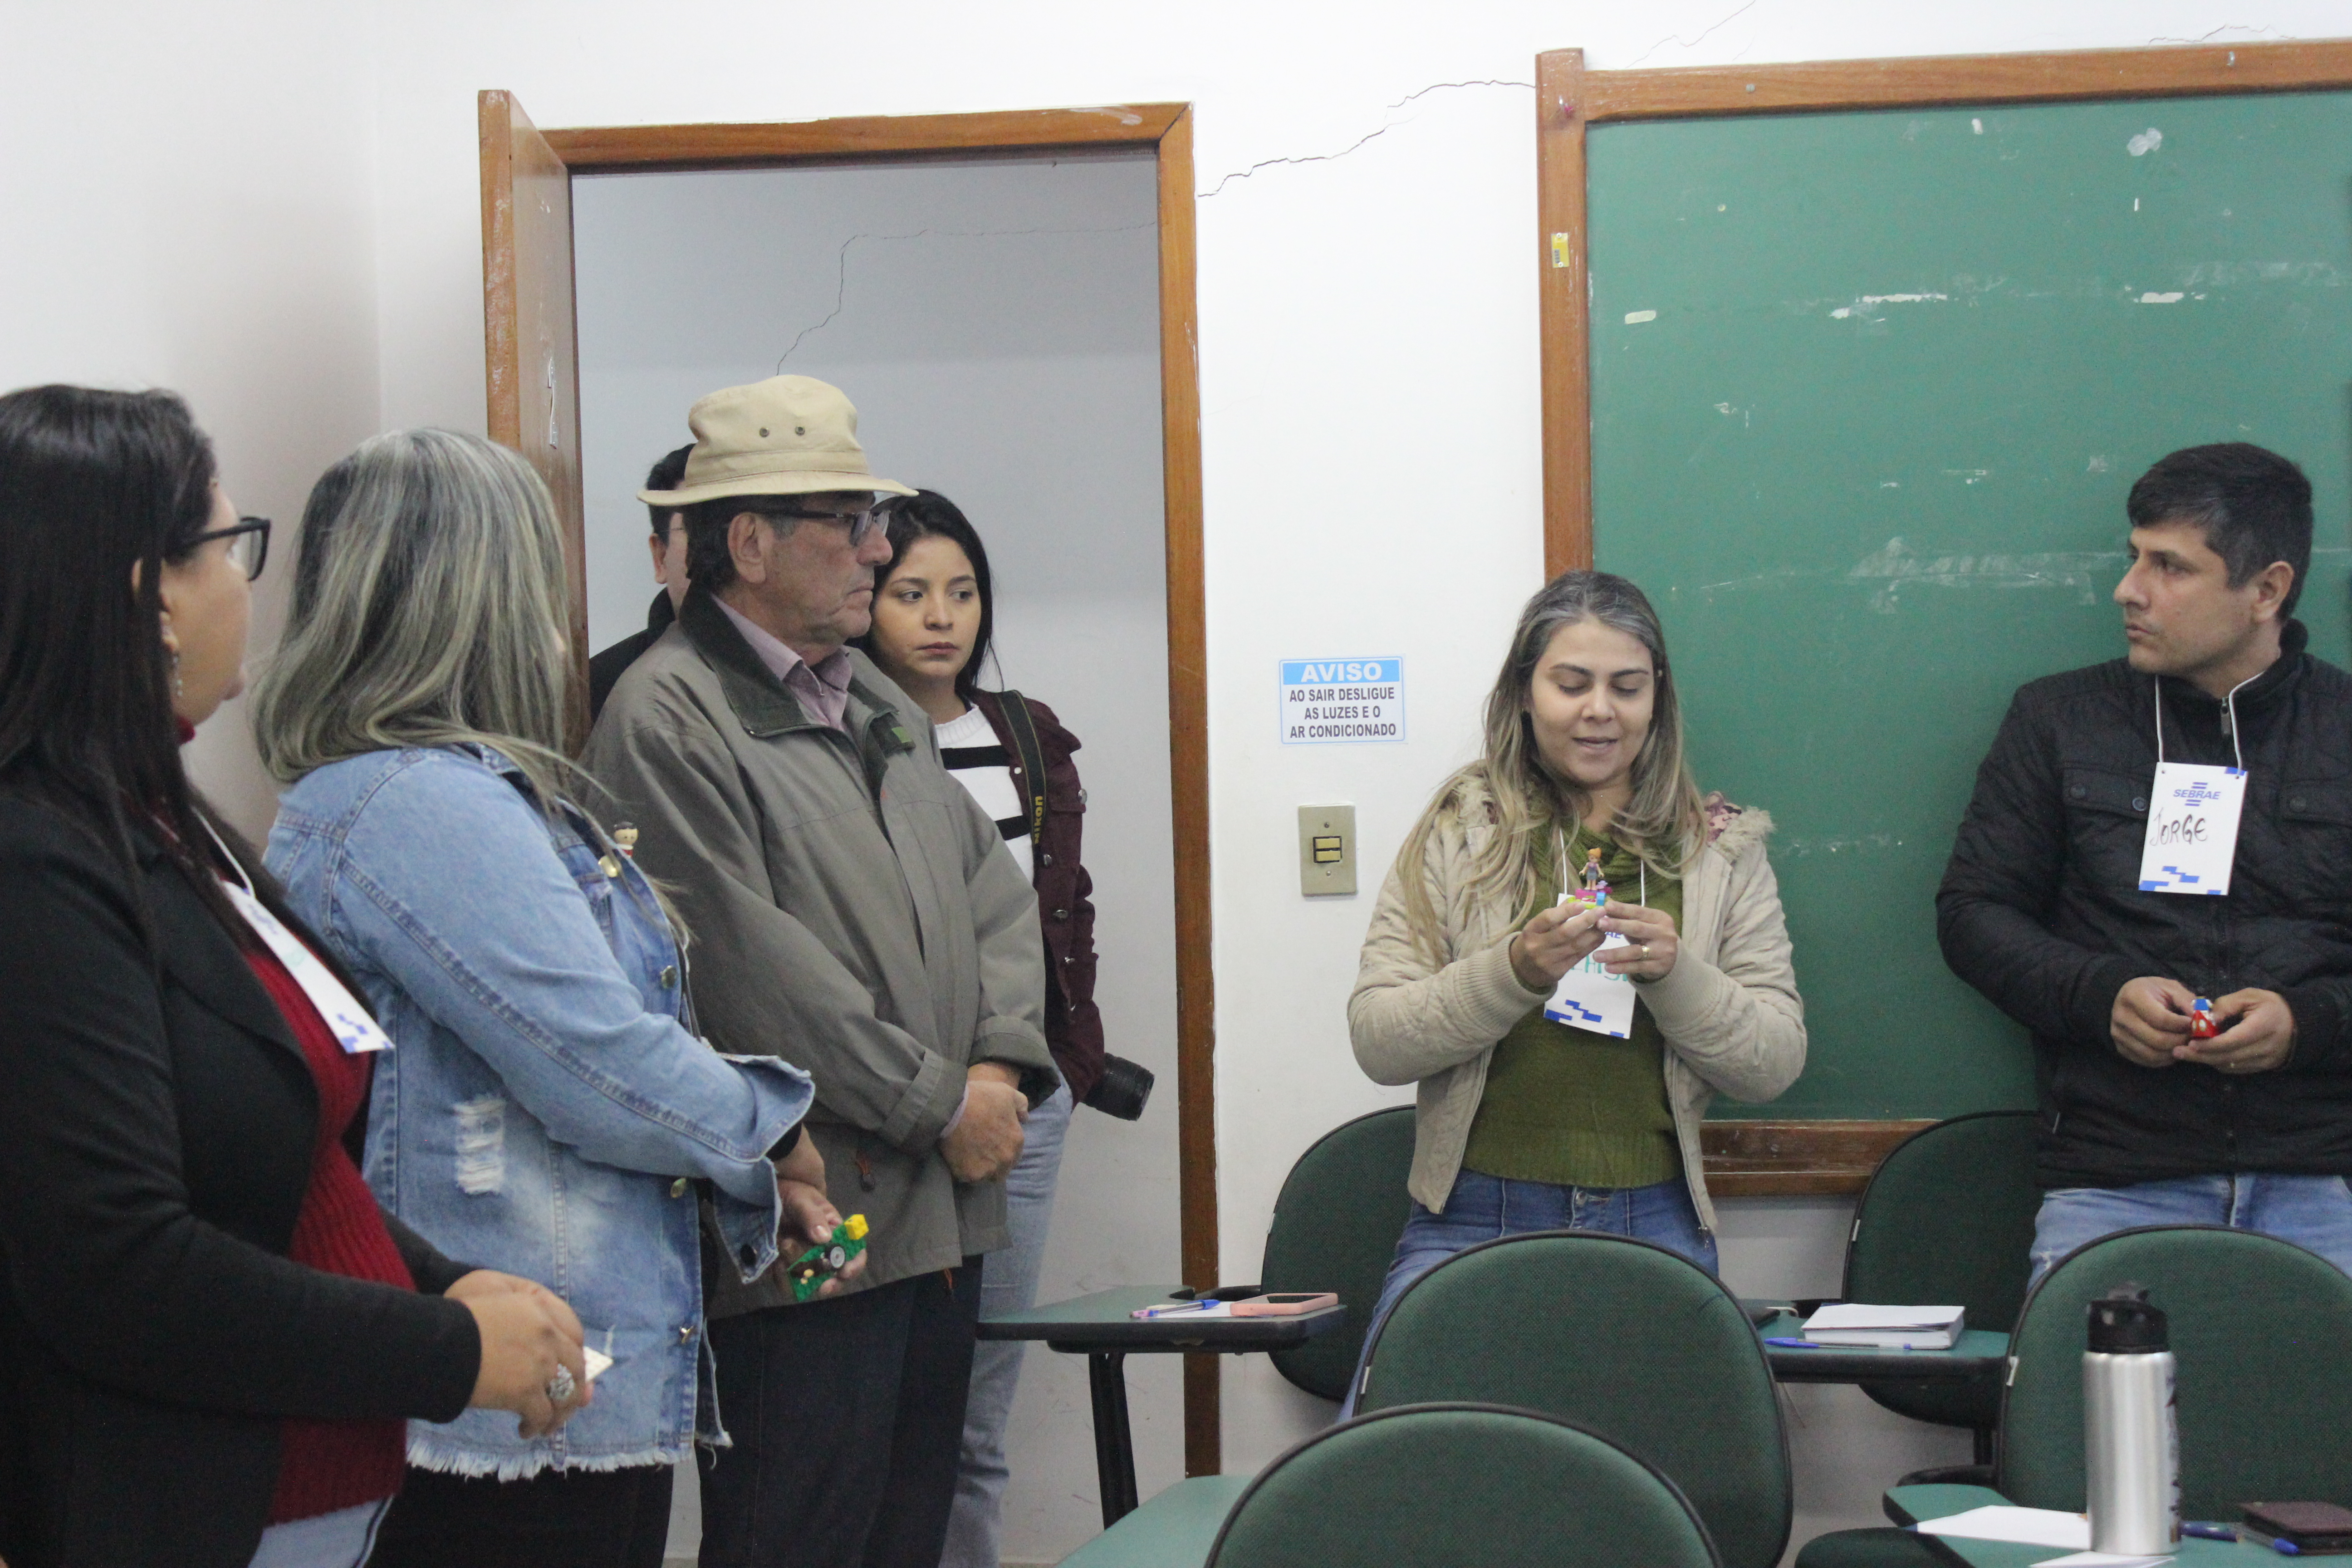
{"x":156,"y":1124}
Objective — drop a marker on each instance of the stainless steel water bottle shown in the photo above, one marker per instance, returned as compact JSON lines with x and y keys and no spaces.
{"x":2131,"y":1437}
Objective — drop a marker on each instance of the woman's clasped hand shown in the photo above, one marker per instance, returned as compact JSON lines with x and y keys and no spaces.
{"x":1557,"y":939}
{"x":531,"y":1339}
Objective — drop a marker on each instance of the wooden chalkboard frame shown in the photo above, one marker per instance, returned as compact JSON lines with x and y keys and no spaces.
{"x":1779,"y":1159}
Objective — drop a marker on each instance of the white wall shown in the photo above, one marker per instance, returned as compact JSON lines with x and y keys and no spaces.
{"x":275,"y":207}
{"x":996,"y":322}
{"x":189,"y":201}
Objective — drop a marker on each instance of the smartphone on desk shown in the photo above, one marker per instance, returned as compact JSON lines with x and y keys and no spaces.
{"x":1286,"y":1303}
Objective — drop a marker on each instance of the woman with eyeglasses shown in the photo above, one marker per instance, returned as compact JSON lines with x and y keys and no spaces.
{"x":210,"y":1333}
{"x":548,"y":1107}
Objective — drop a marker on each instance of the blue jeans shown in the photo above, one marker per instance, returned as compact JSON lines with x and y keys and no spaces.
{"x":2314,"y":1212}
{"x":1009,"y":1284}
{"x":1482,"y":1207}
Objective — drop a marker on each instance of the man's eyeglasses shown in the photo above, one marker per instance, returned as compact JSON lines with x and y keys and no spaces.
{"x":248,"y":546}
{"x":861,"y":524}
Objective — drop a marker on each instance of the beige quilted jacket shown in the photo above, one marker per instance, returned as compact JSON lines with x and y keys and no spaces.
{"x":1729,"y":1010}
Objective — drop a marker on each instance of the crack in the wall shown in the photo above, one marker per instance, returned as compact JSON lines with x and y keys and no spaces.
{"x":841,"y":280}
{"x":1360,"y":141}
{"x":2263,"y":32}
{"x":1695,"y":40}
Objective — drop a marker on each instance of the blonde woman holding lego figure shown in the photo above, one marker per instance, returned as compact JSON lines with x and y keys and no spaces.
{"x":1529,"y":1123}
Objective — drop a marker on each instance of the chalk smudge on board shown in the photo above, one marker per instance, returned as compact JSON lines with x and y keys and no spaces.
{"x":2223,"y":274}
{"x":2146,"y":141}
{"x":2153,"y":298}
{"x":1635,"y":317}
{"x":1886,"y":573}
{"x":1862,"y":306}
{"x":1799,"y":848}
{"x":1889,"y":571}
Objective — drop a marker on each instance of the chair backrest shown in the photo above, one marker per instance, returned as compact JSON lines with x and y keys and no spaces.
{"x":1628,"y":1340}
{"x":1336,"y":1226}
{"x":1457,"y":1485}
{"x":2262,"y":1331}
{"x":1947,"y":1219}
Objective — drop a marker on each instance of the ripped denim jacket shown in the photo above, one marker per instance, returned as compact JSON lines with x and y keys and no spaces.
{"x":543,"y":1111}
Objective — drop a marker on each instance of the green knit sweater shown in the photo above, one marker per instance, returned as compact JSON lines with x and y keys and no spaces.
{"x":1571,"y":1106}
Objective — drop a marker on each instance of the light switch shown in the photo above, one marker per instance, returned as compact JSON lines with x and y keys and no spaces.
{"x":1327,"y":850}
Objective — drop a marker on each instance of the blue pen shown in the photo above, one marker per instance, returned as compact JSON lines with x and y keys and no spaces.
{"x":1806,"y":1345}
{"x":1172,"y":1311}
{"x":2208,"y":1532}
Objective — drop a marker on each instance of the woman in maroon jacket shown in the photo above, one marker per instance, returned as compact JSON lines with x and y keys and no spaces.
{"x":933,"y":613}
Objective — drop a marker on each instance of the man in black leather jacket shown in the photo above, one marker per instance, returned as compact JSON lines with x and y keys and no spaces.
{"x":2043,"y":909}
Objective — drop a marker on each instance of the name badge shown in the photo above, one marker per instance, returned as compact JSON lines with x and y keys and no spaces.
{"x":346,"y":1019}
{"x":2192,"y":829}
{"x":1590,"y":998}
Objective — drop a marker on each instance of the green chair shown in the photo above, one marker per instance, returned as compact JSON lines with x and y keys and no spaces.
{"x":1630,"y":1341}
{"x":1456,"y":1485}
{"x":1335,"y":1227}
{"x":2262,"y":1333}
{"x":1947,"y":1218}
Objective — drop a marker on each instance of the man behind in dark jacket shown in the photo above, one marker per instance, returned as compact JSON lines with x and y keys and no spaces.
{"x":668,"y":542}
{"x":2043,"y":907}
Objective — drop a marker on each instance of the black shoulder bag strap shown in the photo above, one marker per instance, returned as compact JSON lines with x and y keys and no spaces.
{"x":1032,"y":758}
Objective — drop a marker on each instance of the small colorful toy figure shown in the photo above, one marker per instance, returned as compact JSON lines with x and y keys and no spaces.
{"x":812,"y":1269}
{"x":2201,"y":1021}
{"x":1595,"y":888}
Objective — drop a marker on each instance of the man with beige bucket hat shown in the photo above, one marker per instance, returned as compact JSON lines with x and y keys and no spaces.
{"x":853,"y":912}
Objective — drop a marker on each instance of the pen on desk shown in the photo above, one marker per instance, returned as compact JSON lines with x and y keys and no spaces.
{"x":1179,"y":1307}
{"x":1817,"y":1345}
{"x":2205,"y":1531}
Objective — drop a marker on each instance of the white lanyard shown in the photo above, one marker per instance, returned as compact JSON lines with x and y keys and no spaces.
{"x":345,"y":1019}
{"x":2192,"y":816}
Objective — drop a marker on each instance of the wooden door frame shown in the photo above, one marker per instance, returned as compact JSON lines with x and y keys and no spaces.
{"x":1760,"y":1159}
{"x":512,"y":152}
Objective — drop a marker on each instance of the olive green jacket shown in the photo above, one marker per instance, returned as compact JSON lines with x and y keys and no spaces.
{"x":1728,"y":1009}
{"x":850,"y":909}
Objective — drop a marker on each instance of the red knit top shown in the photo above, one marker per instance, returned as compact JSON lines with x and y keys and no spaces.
{"x":333,"y":1465}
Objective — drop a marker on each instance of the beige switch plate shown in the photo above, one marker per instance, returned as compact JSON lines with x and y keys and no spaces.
{"x":1327,"y":850}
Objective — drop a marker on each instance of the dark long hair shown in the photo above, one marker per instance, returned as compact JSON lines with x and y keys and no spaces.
{"x":927,"y":514}
{"x":92,"y":484}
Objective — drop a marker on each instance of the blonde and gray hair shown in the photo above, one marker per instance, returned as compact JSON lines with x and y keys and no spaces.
{"x":429,"y":608}
{"x":1663,"y":823}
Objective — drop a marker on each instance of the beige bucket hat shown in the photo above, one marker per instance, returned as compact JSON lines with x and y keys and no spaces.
{"x":786,"y":435}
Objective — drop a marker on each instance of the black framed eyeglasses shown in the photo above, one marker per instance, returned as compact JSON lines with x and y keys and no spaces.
{"x":861,"y":524}
{"x":248,"y":545}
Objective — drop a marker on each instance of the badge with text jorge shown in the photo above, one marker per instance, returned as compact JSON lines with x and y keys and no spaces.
{"x":1327,"y":700}
{"x":2192,"y":829}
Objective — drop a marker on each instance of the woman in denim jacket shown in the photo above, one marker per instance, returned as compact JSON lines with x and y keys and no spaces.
{"x":546,"y":1106}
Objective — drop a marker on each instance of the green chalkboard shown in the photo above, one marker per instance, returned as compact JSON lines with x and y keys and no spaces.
{"x":1868,"y":391}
